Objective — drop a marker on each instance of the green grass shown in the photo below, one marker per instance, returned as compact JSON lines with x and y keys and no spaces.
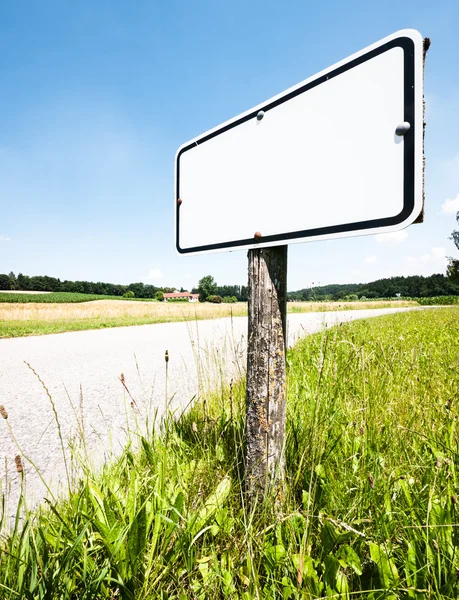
{"x":369,"y":508}
{"x":61,"y":297}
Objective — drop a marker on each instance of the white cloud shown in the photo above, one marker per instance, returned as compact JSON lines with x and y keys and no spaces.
{"x":4,"y":238}
{"x":451,"y":206}
{"x":437,"y":256}
{"x":154,"y":275}
{"x":394,"y":237}
{"x":370,"y":260}
{"x":438,"y":252}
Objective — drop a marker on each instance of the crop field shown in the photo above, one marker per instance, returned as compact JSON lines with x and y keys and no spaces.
{"x":439,"y":300}
{"x":55,"y":297}
{"x":38,"y":318}
{"x":369,"y":507}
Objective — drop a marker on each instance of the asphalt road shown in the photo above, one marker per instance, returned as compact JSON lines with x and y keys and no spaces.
{"x":79,"y":374}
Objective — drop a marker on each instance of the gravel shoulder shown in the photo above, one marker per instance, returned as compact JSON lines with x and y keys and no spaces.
{"x":80,"y":375}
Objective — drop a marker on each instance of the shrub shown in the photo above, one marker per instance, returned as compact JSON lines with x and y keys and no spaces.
{"x":129,"y":294}
{"x":229,"y":299}
{"x":159,"y":296}
{"x":215,"y":299}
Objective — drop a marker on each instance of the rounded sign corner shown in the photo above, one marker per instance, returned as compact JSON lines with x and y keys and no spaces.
{"x":413,"y":34}
{"x":180,"y":151}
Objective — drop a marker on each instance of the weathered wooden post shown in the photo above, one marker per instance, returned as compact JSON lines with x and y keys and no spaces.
{"x":266,"y":379}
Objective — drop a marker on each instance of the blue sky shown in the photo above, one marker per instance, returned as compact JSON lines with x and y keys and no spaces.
{"x":96,"y":97}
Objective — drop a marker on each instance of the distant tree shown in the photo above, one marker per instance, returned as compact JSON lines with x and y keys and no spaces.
{"x":51,"y":284}
{"x":229,"y":291}
{"x":207,"y":286}
{"x":455,"y":233}
{"x":138,"y":289}
{"x":4,"y":282}
{"x":453,"y":263}
{"x":37,"y":284}
{"x":23,"y":282}
{"x":13,"y":281}
{"x":452,"y":270}
{"x":244,"y":293}
{"x":129,"y":294}
{"x":149,"y":291}
{"x":159,"y":295}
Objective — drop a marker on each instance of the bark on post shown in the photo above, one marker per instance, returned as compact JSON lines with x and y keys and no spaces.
{"x":266,"y":384}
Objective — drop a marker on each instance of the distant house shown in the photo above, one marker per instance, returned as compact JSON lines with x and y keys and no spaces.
{"x":191,"y":297}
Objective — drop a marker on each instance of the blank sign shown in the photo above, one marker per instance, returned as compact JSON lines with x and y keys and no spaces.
{"x":321,"y":160}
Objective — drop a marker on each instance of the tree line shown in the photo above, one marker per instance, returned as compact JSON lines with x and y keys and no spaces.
{"x":44,"y":283}
{"x":415,"y":286}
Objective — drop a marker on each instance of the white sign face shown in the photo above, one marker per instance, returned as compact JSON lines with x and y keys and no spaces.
{"x":321,"y":160}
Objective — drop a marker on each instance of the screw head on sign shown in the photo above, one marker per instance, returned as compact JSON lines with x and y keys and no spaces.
{"x":403,"y":128}
{"x":260,"y":115}
{"x":257,"y":235}
{"x":179,"y":201}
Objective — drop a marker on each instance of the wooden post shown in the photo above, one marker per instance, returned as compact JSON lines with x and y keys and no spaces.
{"x":266,"y":382}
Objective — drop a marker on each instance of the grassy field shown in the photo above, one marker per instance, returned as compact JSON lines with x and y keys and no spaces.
{"x":30,"y":318}
{"x":369,"y":508}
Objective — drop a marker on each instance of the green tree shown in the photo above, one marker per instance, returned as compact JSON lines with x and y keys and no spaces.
{"x":4,"y":282}
{"x":23,"y":282}
{"x":159,"y":296}
{"x":455,"y":234}
{"x":207,"y":286}
{"x":13,"y":281}
{"x":453,"y":263}
{"x":137,"y":288}
{"x":452,"y":270}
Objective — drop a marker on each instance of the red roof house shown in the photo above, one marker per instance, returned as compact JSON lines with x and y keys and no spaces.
{"x":191,"y":297}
